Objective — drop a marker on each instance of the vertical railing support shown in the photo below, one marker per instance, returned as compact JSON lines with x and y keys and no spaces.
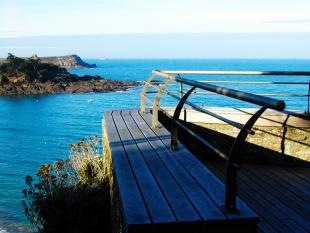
{"x":308,"y":110}
{"x":143,"y":93}
{"x":156,"y":103}
{"x":233,"y":160}
{"x":181,"y":89}
{"x":176,"y":116}
{"x":181,"y":95}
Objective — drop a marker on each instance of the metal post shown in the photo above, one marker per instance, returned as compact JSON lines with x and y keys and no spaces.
{"x":181,"y":96}
{"x":233,"y":159}
{"x":308,"y":98}
{"x":156,"y":103}
{"x":181,"y":89}
{"x":143,"y":93}
{"x":176,"y":115}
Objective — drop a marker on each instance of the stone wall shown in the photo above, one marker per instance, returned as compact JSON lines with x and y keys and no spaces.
{"x":117,"y":218}
{"x":287,"y":141}
{"x":277,"y":135}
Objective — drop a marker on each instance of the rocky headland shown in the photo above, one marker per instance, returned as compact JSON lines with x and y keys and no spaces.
{"x":20,"y":76}
{"x":70,"y":61}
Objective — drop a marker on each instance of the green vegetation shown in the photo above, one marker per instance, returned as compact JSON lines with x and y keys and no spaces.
{"x":72,"y":195}
{"x":28,"y":70}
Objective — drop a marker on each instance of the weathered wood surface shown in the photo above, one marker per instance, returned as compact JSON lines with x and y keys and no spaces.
{"x":279,"y":194}
{"x":165,"y":191}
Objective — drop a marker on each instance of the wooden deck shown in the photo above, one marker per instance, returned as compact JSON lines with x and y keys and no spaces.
{"x":279,"y":195}
{"x":164,"y":191}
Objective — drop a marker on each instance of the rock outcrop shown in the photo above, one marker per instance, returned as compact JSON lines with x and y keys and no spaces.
{"x":70,"y":61}
{"x":65,"y":85}
{"x":30,"y":76}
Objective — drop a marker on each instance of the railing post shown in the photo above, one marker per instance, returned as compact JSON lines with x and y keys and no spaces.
{"x":181,"y":89}
{"x":156,"y":103}
{"x":176,"y":116}
{"x":143,"y":93}
{"x":181,"y":95}
{"x":308,"y":112}
{"x":233,"y":159}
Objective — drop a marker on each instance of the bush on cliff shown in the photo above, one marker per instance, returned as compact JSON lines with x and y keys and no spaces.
{"x":32,"y":69}
{"x":72,"y":195}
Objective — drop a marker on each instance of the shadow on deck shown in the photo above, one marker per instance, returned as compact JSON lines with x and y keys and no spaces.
{"x":278,"y":190}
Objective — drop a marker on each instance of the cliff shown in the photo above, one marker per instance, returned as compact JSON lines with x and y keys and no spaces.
{"x":19,"y":76}
{"x":70,"y":61}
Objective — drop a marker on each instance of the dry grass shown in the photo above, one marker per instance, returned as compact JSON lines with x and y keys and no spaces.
{"x":71,"y":195}
{"x":87,"y":161}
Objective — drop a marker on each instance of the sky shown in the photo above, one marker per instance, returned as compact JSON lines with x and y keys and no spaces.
{"x":45,"y":27}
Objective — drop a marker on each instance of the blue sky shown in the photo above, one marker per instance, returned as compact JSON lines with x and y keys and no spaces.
{"x":176,"y":28}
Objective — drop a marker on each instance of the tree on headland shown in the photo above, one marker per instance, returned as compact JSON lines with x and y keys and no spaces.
{"x":14,"y":63}
{"x":3,"y":79}
{"x":31,"y":69}
{"x":34,"y":60}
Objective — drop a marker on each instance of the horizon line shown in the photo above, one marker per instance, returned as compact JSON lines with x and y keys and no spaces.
{"x":153,"y":33}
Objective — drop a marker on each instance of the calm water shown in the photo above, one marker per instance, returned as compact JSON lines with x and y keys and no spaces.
{"x":38,"y":129}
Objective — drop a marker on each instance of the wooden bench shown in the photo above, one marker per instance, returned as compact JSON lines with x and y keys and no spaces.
{"x":159,"y":190}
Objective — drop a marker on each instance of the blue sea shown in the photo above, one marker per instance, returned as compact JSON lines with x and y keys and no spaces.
{"x":37,"y":129}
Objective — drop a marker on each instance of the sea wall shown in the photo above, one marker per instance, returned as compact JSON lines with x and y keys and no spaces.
{"x":277,"y":135}
{"x":286,"y":141}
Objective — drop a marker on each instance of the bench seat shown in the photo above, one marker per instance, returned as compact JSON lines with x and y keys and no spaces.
{"x":160,"y":190}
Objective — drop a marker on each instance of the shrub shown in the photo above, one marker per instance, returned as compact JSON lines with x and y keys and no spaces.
{"x":72,"y":195}
{"x":32,"y":69}
{"x":3,"y":79}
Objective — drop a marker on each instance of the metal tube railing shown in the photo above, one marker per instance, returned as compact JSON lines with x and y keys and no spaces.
{"x":216,"y":72}
{"x":199,"y":109}
{"x":234,"y":154}
{"x":241,"y":95}
{"x":181,"y":90}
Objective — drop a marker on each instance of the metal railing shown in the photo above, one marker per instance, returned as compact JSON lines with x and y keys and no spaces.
{"x":233,"y":156}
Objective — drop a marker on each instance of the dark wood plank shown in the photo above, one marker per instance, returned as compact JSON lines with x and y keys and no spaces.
{"x":280,"y":193}
{"x":250,"y":190}
{"x":276,"y":206}
{"x":270,"y":220}
{"x":154,"y":200}
{"x":303,"y":174}
{"x":295,"y":227}
{"x":181,"y":206}
{"x":202,"y":202}
{"x":271,"y":203}
{"x":280,"y":196}
{"x":213,"y":186}
{"x":290,"y":181}
{"x":130,"y":196}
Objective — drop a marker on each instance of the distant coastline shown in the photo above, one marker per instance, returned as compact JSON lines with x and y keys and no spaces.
{"x":32,"y":76}
{"x":68,"y":61}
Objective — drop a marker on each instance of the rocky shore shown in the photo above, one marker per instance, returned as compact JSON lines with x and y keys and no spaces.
{"x":30,"y":76}
{"x":69,"y":84}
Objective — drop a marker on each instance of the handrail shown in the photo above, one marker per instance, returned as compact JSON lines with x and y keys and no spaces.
{"x":242,"y":82}
{"x":241,"y":95}
{"x":216,"y":72}
{"x":230,"y":122}
{"x":234,"y":154}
